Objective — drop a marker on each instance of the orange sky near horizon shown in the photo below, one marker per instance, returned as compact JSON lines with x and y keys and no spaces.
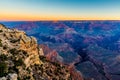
{"x":36,"y":10}
{"x":20,"y":17}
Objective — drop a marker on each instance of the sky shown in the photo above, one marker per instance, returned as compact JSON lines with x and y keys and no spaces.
{"x":33,"y":10}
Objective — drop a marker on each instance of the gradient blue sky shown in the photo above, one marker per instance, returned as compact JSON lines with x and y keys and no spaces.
{"x":59,"y":9}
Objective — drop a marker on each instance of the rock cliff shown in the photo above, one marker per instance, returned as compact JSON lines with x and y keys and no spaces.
{"x":22,"y":59}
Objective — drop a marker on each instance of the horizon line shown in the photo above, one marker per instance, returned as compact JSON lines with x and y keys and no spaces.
{"x":62,"y":20}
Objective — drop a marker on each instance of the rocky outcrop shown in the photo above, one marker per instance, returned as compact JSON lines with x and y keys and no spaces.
{"x":76,"y":75}
{"x":22,"y":59}
{"x":15,"y":39}
{"x":50,"y":53}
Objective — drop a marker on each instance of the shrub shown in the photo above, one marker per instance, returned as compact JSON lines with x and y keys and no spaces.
{"x":3,"y":57}
{"x":56,"y":64}
{"x":1,"y":30}
{"x":18,"y":62}
{"x":27,"y":78}
{"x":13,"y":51}
{"x":3,"y":69}
{"x":0,"y":43}
{"x":14,"y":41}
{"x":43,"y":58}
{"x":14,"y":68}
{"x":24,"y":52}
{"x":19,"y":78}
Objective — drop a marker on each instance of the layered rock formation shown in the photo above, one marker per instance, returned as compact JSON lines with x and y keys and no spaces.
{"x":92,"y":46}
{"x":50,"y":53}
{"x":22,"y":59}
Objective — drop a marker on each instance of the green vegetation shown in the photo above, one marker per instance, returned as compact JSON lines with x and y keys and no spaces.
{"x":3,"y":57}
{"x":19,"y":78}
{"x":27,"y":78}
{"x":14,"y":41}
{"x":24,"y":52}
{"x":43,"y":58}
{"x":3,"y":65}
{"x":0,"y":43}
{"x":13,"y":51}
{"x":56,"y":64}
{"x":3,"y":69}
{"x":1,"y":31}
{"x":12,"y":69}
{"x":18,"y":62}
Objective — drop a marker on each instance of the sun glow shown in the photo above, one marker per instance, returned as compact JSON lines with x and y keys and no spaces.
{"x":35,"y":10}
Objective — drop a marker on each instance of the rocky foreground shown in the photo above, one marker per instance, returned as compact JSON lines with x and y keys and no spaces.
{"x":22,"y":59}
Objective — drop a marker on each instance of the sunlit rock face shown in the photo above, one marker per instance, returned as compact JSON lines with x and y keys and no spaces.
{"x":22,"y":59}
{"x":18,"y":39}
